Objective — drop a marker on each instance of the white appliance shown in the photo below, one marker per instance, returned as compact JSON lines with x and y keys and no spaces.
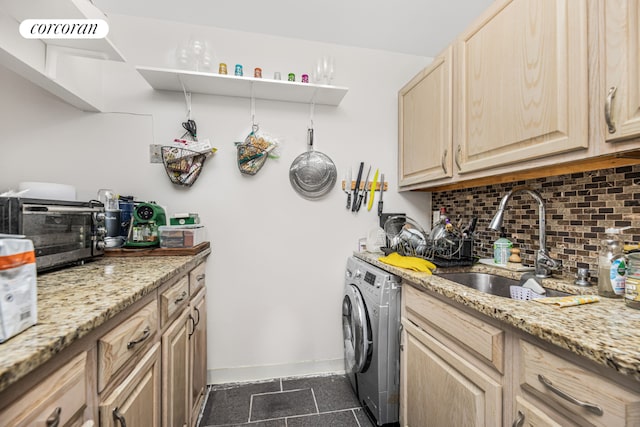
{"x":371,"y":332}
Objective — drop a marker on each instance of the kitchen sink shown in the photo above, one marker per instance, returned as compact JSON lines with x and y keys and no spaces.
{"x":491,"y":283}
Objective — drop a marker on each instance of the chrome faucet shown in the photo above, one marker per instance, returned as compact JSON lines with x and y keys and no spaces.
{"x":544,"y":264}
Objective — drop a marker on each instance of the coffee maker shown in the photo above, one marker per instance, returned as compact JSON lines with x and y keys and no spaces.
{"x":144,"y":225}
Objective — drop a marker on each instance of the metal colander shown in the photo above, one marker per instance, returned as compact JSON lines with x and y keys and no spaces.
{"x":312,"y":174}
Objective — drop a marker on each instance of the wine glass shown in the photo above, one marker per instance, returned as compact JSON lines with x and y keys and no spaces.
{"x":324,"y":70}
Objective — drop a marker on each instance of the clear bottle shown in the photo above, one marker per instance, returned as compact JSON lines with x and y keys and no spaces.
{"x":611,"y":265}
{"x":502,"y":248}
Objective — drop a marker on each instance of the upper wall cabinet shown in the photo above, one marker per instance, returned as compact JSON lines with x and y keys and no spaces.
{"x":621,"y":66}
{"x":245,"y":87}
{"x":425,"y":124}
{"x":521,"y":84}
{"x":71,"y":69}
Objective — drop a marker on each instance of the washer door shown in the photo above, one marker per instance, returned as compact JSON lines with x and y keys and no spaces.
{"x":354,"y":330}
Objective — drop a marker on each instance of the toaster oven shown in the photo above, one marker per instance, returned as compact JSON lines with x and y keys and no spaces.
{"x":63,"y":232}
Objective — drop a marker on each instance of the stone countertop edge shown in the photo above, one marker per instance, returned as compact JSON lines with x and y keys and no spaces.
{"x":74,"y":301}
{"x":606,"y":332}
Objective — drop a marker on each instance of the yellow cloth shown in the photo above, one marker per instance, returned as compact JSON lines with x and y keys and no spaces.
{"x":569,"y":301}
{"x":408,"y":262}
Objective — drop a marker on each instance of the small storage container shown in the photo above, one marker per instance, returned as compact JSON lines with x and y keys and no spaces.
{"x":181,"y":236}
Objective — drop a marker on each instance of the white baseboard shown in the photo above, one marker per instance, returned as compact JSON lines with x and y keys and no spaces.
{"x":261,"y":373}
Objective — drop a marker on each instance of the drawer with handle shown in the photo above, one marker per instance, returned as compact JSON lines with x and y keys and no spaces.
{"x":58,"y":400}
{"x":583,"y":393}
{"x":483,"y":339}
{"x":197,"y":279}
{"x":174,"y":300}
{"x":120,"y":344}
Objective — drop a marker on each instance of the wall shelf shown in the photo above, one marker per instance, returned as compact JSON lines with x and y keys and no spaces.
{"x":245,"y":87}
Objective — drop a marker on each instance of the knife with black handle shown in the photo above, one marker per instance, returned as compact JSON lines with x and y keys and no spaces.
{"x":381,"y":185}
{"x":355,"y":190}
{"x":364,"y":191}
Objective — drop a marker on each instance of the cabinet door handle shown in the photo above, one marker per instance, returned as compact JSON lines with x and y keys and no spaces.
{"x":607,"y":109}
{"x":198,"y":313}
{"x":145,"y":334}
{"x":519,"y":421}
{"x":457,"y":157}
{"x":118,"y":417}
{"x":444,"y":160}
{"x":193,"y":326}
{"x":54,"y":418}
{"x":200,"y":277}
{"x":595,"y":409}
{"x":181,"y":298}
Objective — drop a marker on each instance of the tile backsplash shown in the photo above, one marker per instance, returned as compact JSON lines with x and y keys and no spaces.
{"x":579,"y":207}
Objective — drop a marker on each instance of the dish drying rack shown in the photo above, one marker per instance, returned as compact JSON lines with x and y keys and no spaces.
{"x":450,"y":248}
{"x":443,"y":252}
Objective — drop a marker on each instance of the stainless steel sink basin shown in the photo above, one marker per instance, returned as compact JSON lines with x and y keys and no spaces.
{"x":491,"y":283}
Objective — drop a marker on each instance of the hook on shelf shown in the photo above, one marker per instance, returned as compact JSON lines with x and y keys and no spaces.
{"x":187,"y":98}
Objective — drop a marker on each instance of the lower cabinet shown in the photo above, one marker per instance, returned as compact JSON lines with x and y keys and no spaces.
{"x":147,"y":366}
{"x":441,"y":388}
{"x":530,"y":415}
{"x":459,"y":368}
{"x":60,"y":399}
{"x":175,"y":372}
{"x":198,"y":353}
{"x":566,"y":389}
{"x":136,"y":400}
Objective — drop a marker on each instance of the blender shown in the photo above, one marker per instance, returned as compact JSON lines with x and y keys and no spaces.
{"x":112,"y":214}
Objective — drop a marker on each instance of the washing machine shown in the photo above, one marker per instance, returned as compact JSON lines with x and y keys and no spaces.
{"x":371,"y":331}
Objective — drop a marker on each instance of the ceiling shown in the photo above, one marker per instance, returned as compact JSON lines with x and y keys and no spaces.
{"x":416,"y":27}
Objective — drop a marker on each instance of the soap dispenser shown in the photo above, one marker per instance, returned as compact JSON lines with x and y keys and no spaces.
{"x":502,"y":248}
{"x":611,"y":265}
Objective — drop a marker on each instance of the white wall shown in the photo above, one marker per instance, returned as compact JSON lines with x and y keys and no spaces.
{"x":275,"y":277}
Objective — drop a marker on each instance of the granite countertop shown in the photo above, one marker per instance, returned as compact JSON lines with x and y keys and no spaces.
{"x":74,"y":301}
{"x":606,"y":332}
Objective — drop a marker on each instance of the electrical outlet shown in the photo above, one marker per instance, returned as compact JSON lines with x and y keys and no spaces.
{"x":155,"y":153}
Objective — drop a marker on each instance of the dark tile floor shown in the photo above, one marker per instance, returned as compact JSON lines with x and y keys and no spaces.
{"x":326,"y":401}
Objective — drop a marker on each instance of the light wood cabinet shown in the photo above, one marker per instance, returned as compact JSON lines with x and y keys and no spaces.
{"x":425,"y":124}
{"x":441,"y":388}
{"x":175,"y":372}
{"x":521,"y":84}
{"x":184,"y":354}
{"x":145,"y":366}
{"x":198,"y":353}
{"x":125,"y":341}
{"x":449,"y":375}
{"x":530,"y":415}
{"x":136,"y":400}
{"x":621,"y":67}
{"x":582,"y":395}
{"x":60,"y":399}
{"x":197,"y":278}
{"x":532,"y":84}
{"x":174,"y":300}
{"x":445,"y":379}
